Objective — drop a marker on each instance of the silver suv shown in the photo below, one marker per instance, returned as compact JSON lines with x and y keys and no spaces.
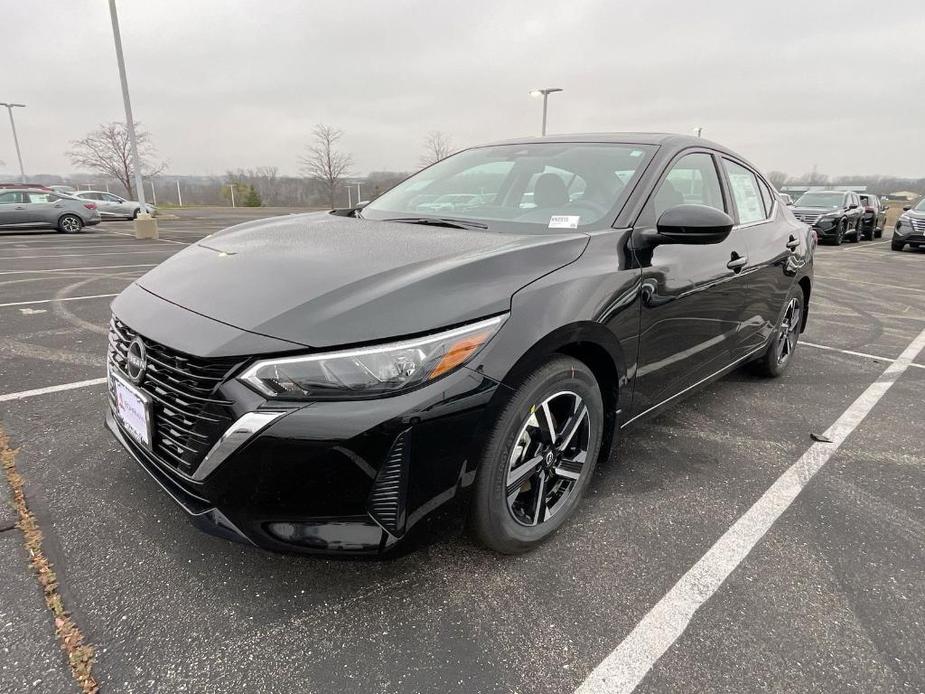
{"x":33,"y":207}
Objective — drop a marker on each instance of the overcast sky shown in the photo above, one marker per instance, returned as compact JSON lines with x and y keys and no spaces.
{"x":228,"y":84}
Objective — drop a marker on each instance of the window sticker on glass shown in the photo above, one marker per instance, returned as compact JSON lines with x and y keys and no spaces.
{"x":564,"y":221}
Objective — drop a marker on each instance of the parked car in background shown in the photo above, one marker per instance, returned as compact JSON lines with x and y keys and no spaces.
{"x":68,"y":190}
{"x":34,"y":207}
{"x":910,"y":227}
{"x":873,"y":216}
{"x":787,"y":199}
{"x":112,"y":206}
{"x":322,"y":382}
{"x":12,"y":186}
{"x":834,"y":214}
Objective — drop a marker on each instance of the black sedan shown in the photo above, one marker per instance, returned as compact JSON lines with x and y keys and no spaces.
{"x":322,"y":382}
{"x":834,"y":214}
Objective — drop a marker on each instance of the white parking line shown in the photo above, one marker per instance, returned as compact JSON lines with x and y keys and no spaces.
{"x":873,"y":284}
{"x":852,"y":353}
{"x":48,"y":301}
{"x":51,"y":389}
{"x":72,"y":269}
{"x":84,"y":255}
{"x":631,"y":661}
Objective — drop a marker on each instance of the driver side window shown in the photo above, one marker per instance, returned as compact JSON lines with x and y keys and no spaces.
{"x":691,"y":180}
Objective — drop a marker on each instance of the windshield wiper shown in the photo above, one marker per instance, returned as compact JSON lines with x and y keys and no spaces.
{"x":440,"y":222}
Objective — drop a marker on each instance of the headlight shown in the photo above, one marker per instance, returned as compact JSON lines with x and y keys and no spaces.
{"x":903,"y":226}
{"x":371,"y":370}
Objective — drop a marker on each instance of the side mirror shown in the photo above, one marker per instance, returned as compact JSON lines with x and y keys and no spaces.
{"x":699,"y":224}
{"x":906,"y":208}
{"x":853,"y":206}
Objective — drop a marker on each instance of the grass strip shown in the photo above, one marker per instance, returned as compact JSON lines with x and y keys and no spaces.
{"x":79,"y":653}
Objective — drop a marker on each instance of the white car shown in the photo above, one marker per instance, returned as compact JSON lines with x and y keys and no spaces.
{"x":111,"y":206}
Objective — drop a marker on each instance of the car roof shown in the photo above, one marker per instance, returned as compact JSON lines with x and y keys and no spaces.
{"x":24,"y":189}
{"x":634,"y":138}
{"x":830,"y":190}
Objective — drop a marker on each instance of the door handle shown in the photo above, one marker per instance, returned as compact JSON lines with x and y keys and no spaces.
{"x":737,"y":262}
{"x":793,"y":243}
{"x":20,"y":208}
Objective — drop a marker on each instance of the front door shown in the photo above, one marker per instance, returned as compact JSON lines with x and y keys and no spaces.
{"x":12,"y":207}
{"x":693,"y":296}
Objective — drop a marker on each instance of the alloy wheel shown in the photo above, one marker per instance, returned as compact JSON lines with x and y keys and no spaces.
{"x":70,"y":224}
{"x":789,"y":330}
{"x":548,"y":458}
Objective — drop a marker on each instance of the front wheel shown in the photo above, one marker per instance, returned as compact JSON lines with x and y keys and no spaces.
{"x":840,"y":233}
{"x":897,"y":246}
{"x":857,"y":234}
{"x":783,"y":343}
{"x":70,"y":224}
{"x":538,"y":457}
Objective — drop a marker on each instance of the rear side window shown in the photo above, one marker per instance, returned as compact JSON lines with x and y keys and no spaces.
{"x":692,"y":180}
{"x":766,"y":196}
{"x":745,"y":192}
{"x":43,"y":197}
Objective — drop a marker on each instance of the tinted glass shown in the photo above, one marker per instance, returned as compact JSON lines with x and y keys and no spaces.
{"x":745,"y":192}
{"x":692,"y":180}
{"x":520,"y":188}
{"x":42,"y":197}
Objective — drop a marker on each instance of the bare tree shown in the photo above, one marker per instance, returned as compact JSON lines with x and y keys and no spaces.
{"x":107,"y":151}
{"x":777,"y":178}
{"x":437,"y":146}
{"x":323,"y":162}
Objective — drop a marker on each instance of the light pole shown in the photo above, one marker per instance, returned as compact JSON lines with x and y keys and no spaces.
{"x":145,"y":226}
{"x":545,"y":94}
{"x":9,"y":108}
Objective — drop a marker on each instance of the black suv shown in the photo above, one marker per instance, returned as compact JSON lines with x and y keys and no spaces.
{"x":873,"y":218}
{"x":834,"y":214}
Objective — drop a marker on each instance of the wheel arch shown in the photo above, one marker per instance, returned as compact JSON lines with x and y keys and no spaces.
{"x":69,"y":214}
{"x":596,"y":347}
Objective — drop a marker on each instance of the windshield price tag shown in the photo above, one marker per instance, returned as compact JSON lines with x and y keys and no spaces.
{"x":564,"y":221}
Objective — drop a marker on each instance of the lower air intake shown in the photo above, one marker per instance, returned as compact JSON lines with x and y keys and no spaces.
{"x":387,"y":499}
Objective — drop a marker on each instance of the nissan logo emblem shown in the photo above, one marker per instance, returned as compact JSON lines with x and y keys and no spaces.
{"x":136,"y":360}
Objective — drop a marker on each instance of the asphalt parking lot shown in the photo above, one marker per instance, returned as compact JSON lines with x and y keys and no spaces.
{"x":830,"y":599}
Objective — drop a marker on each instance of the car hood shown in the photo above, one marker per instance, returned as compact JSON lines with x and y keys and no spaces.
{"x":803,"y":209}
{"x":913,"y":214}
{"x":321,"y":280}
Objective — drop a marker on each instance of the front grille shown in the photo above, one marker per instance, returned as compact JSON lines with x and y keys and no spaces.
{"x":188,"y":416}
{"x":806,"y":217}
{"x":918,"y":225}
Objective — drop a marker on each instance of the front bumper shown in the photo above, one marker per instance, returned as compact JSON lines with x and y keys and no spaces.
{"x":826,"y":228}
{"x":332,"y":477}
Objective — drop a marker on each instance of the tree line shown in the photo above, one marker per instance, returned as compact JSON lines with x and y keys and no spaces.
{"x":327,"y":171}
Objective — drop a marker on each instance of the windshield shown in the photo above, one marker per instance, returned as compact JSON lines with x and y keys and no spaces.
{"x":921,"y":206}
{"x":521,"y":188}
{"x":822,"y":199}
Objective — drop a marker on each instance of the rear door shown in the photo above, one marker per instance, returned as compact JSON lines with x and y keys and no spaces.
{"x":44,"y":208}
{"x":12,"y":207}
{"x":771,"y":241}
{"x":692,"y":296}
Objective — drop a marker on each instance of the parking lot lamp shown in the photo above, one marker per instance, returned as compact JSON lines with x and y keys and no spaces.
{"x":145,"y":225}
{"x":545,"y":94}
{"x":9,"y":108}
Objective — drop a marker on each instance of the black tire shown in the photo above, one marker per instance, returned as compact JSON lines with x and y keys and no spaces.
{"x":839,"y":233}
{"x":500,"y":518}
{"x":135,"y":213}
{"x":878,"y":233}
{"x":856,"y":238}
{"x":779,"y":354}
{"x":897,"y":246}
{"x":70,"y":224}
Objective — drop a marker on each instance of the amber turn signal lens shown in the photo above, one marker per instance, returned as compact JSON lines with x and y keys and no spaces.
{"x":458,"y":352}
